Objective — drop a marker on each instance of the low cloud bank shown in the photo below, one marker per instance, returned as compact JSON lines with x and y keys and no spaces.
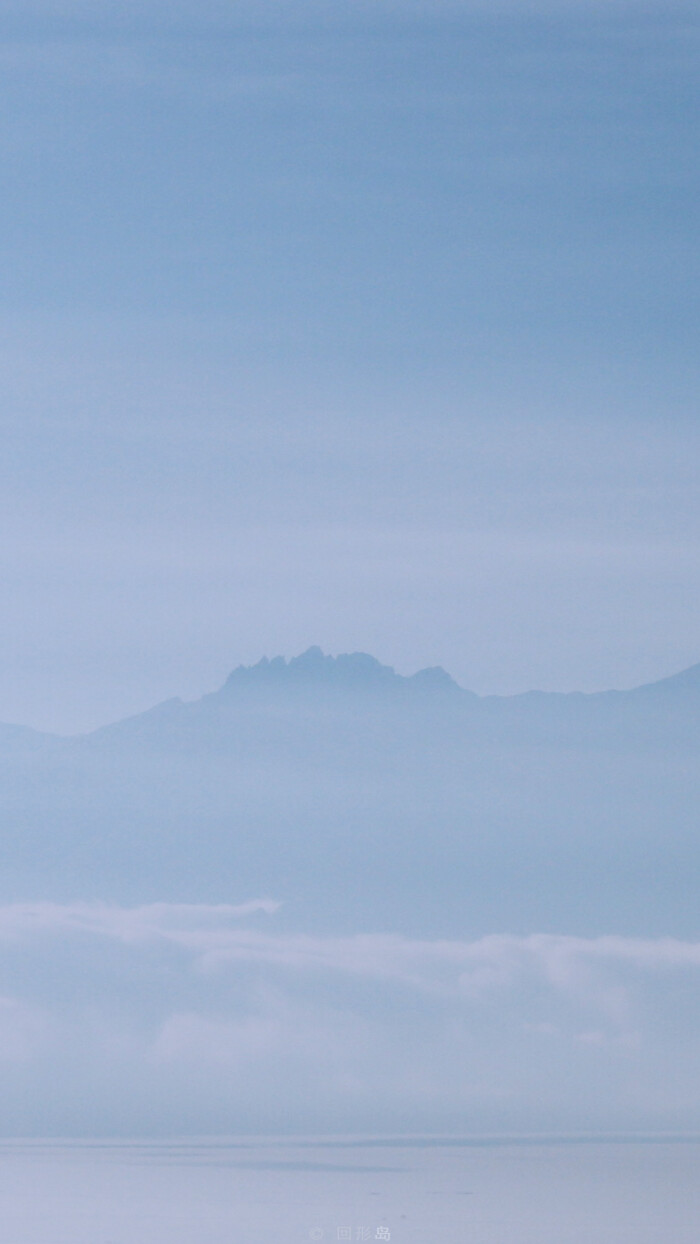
{"x":203,"y":1018}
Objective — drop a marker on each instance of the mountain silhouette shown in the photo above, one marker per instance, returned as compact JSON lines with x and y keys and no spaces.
{"x":363,"y":799}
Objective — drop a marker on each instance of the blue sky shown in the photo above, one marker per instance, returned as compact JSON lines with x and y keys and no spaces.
{"x":370,"y":326}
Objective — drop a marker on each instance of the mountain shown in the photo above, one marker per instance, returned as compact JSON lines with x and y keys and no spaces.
{"x":21,"y":739}
{"x":349,"y":671}
{"x":361,"y":799}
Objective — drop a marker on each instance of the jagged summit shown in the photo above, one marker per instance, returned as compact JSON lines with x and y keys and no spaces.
{"x":349,"y":669}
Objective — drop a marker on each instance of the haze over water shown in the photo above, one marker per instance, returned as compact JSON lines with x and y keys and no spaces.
{"x":417,"y":1192}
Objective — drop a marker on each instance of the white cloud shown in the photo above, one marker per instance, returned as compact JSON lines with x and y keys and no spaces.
{"x":181,"y":1017}
{"x":171,"y":921}
{"x":211,"y":933}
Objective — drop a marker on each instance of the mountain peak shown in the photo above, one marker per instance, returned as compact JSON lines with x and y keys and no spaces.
{"x":348,"y":669}
{"x":314,"y":666}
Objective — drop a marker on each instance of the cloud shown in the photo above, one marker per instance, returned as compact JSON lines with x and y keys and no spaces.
{"x":191,"y":1018}
{"x":171,"y":921}
{"x":211,"y":933}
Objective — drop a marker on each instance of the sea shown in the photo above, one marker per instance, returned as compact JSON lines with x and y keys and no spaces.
{"x":414,"y":1190}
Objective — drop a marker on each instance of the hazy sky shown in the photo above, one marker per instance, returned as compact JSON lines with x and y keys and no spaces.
{"x":366,"y":325}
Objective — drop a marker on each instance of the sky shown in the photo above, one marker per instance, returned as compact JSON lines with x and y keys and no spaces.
{"x":367,"y":326}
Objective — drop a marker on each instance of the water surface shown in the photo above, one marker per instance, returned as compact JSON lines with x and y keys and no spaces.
{"x":408,"y":1192}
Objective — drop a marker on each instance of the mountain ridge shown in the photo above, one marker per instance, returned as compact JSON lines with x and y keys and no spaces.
{"x":347,"y":669}
{"x":313,"y":671}
{"x":354,"y":795}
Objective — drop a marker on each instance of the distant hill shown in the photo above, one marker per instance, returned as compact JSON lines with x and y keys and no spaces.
{"x":363,"y":799}
{"x":314,"y":684}
{"x":22,"y":739}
